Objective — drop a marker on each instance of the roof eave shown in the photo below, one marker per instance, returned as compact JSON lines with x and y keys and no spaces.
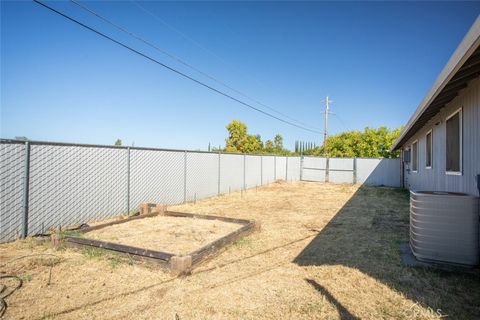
{"x":469,"y":44}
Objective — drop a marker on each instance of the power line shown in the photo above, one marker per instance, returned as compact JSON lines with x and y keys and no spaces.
{"x":176,"y":58}
{"x":171,"y":69}
{"x":347,"y":128}
{"x":186,"y":37}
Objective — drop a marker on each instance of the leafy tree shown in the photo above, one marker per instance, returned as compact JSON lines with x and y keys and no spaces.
{"x":254,"y":144}
{"x":237,"y":136}
{"x":269,"y":147}
{"x":118,"y":142}
{"x":239,"y":140}
{"x":369,"y":143}
{"x":278,"y":142}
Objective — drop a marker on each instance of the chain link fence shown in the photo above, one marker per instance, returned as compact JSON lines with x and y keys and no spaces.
{"x":12,"y":180}
{"x":45,"y":185}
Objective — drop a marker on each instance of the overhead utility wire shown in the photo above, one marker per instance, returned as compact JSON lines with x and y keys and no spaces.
{"x":347,"y":128}
{"x":186,"y":37}
{"x":172,"y":56}
{"x":170,"y":68}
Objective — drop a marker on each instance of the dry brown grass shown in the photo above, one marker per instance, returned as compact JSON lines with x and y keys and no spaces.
{"x":324,"y":252}
{"x":163,"y":233}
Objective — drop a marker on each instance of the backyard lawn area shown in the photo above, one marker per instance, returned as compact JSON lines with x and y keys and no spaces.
{"x":324,"y":251}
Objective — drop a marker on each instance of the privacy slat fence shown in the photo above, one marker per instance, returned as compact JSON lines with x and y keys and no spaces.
{"x":45,"y":184}
{"x":369,"y":171}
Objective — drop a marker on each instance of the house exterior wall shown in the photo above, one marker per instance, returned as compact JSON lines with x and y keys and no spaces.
{"x":436,"y":179}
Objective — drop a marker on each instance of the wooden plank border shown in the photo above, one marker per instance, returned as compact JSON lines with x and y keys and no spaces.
{"x":214,"y":247}
{"x":206,"y":217}
{"x":161,"y":263}
{"x":112,"y":223}
{"x":180,"y":264}
{"x":121,"y":248}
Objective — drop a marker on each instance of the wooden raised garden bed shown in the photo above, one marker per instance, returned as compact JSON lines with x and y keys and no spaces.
{"x":178,"y":262}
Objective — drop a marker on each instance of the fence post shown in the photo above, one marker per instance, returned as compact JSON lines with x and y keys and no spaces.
{"x":128,"y":180}
{"x":261,"y":170}
{"x":26,"y":185}
{"x":355,"y":170}
{"x":286,"y":168}
{"x":274,"y":167}
{"x":185,"y":176}
{"x":301,"y":168}
{"x":244,"y":171}
{"x":327,"y":169}
{"x":218,"y":182}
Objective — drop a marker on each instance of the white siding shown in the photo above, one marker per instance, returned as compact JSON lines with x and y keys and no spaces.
{"x":435,"y":179}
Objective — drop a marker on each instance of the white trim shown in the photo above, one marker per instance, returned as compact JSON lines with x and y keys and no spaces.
{"x":460,"y":119}
{"x":453,"y":173}
{"x":453,"y":113}
{"x":416,"y":155}
{"x":466,"y":48}
{"x":431,"y":149}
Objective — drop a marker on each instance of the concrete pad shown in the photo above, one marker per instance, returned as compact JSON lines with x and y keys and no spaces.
{"x":409,"y":260}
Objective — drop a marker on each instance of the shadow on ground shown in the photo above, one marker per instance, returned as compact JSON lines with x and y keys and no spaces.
{"x":342,"y":311}
{"x":366,"y":234}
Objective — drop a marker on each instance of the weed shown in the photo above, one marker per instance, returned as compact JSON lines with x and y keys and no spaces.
{"x":246,"y":242}
{"x":70,"y":233}
{"x":26,"y":277}
{"x":133,"y":213}
{"x":115,"y":260}
{"x":93,"y":252}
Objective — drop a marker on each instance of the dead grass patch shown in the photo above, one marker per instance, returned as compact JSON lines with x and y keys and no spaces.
{"x":324,"y":252}
{"x":163,"y":233}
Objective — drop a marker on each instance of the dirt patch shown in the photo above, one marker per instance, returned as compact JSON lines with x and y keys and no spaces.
{"x":324,"y":252}
{"x":169,"y":234}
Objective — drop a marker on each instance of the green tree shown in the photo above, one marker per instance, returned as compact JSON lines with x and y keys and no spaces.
{"x":240,"y":141}
{"x":254,"y":144}
{"x":269,"y":147}
{"x":118,"y":142}
{"x":237,"y":136}
{"x":278,"y":142}
{"x":369,"y":143}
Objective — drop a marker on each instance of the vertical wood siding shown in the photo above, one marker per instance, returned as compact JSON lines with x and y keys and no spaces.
{"x":435,"y":179}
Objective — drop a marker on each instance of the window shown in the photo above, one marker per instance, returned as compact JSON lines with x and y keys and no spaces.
{"x":454,"y":143}
{"x":406,"y":155}
{"x":415,"y":156}
{"x":428,"y":150}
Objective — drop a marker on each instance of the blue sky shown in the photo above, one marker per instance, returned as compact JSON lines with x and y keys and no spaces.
{"x":376,"y":60}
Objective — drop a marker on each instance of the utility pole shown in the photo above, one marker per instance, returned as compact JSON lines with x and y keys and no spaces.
{"x":325,"y":134}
